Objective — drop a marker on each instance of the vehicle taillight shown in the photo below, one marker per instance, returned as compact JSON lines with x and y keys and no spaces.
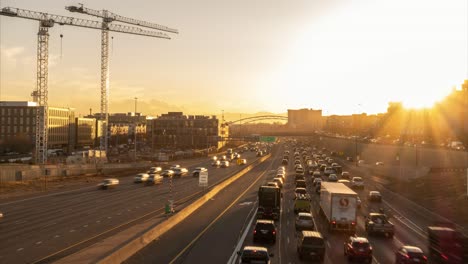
{"x":353,"y":223}
{"x":424,"y":257}
{"x":333,"y":222}
{"x":274,"y":232}
{"x":255,"y":232}
{"x":444,"y":257}
{"x":407,"y":256}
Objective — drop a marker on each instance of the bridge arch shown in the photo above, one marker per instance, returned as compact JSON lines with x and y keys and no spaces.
{"x":257,"y":118}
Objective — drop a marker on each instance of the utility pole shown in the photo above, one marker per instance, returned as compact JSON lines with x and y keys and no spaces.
{"x":135,"y":129}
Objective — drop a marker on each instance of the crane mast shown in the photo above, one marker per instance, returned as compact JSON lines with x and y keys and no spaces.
{"x":47,"y":21}
{"x":107,"y":18}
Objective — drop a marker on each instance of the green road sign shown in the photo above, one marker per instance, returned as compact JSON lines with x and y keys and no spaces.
{"x":267,"y":139}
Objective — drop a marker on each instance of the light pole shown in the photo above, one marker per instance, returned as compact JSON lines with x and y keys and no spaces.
{"x":135,"y":129}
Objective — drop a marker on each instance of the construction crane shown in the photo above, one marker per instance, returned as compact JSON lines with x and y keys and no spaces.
{"x":47,"y":21}
{"x":107,"y":18}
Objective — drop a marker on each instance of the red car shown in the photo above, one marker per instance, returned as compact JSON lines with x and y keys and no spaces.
{"x":358,"y":248}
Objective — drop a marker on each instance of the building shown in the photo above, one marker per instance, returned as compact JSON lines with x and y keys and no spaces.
{"x":305,"y":119}
{"x":85,"y":132}
{"x":178,"y":131}
{"x":18,"y":126}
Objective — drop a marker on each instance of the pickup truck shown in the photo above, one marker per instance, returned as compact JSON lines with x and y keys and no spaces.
{"x":378,"y":223}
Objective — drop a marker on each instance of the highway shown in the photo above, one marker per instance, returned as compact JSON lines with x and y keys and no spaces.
{"x":61,"y":223}
{"x":215,"y":232}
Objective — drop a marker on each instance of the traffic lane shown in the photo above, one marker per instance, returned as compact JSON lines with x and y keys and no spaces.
{"x":168,"y":246}
{"x":93,"y":214}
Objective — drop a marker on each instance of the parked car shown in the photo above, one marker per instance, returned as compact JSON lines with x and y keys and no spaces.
{"x":358,"y":248}
{"x":410,"y":255}
{"x":108,"y":183}
{"x":311,"y":244}
{"x":374,"y":196}
{"x":264,"y":230}
{"x":252,"y":254}
{"x":304,"y":221}
{"x":197,"y":170}
{"x":141,"y":177}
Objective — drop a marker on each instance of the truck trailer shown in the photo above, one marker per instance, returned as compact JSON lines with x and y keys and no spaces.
{"x":338,"y":203}
{"x":269,"y":202}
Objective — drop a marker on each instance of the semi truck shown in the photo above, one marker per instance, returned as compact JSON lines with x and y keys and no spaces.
{"x":269,"y":202}
{"x":447,"y":245}
{"x":338,"y":203}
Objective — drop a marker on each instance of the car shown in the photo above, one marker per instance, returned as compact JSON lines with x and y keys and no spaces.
{"x":284,"y":162}
{"x":311,"y":244}
{"x":273,"y":184}
{"x":300,"y":190}
{"x":197,"y":170}
{"x":280,"y":175}
{"x":242,"y":162}
{"x":410,"y":255}
{"x":167,"y":173}
{"x":332,"y":178}
{"x":1,"y":215}
{"x":345,"y":175}
{"x":216,"y":163}
{"x":379,"y":163}
{"x":141,"y":177}
{"x":328,"y":171}
{"x":301,"y":183}
{"x":108,"y":183}
{"x":252,"y":254}
{"x":174,"y":167}
{"x":279,"y":181}
{"x":316,"y":181}
{"x":350,"y":159}
{"x":304,"y":221}
{"x":374,"y":196}
{"x":154,"y":170}
{"x":358,"y":248}
{"x":317,"y":174}
{"x":179,"y":172}
{"x":357,"y":182}
{"x":264,"y":230}
{"x":154,"y":179}
{"x":361,"y":162}
{"x":224,"y":164}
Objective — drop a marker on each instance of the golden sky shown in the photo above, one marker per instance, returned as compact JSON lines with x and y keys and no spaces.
{"x":247,"y":55}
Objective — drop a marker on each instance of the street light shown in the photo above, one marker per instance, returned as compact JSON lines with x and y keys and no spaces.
{"x":135,"y":129}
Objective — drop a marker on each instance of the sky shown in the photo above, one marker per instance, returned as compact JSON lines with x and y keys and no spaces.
{"x":247,"y":56}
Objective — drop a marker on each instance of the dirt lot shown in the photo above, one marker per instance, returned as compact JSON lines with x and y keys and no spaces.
{"x":442,"y":193}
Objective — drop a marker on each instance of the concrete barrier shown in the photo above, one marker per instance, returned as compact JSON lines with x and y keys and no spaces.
{"x":120,"y":247}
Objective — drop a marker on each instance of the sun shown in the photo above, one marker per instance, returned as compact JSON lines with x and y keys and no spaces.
{"x":419,"y":102}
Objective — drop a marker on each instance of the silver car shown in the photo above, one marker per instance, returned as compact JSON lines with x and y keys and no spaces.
{"x":141,"y":177}
{"x":304,"y":221}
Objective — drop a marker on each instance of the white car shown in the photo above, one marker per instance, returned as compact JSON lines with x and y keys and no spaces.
{"x":224,"y":164}
{"x":154,"y":170}
{"x":379,"y":163}
{"x":304,"y":221}
{"x":357,"y":182}
{"x":141,"y":177}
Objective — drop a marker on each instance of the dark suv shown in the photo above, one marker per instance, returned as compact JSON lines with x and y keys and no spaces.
{"x":265,"y":230}
{"x":251,"y":254}
{"x":310,"y":244}
{"x":358,"y":248}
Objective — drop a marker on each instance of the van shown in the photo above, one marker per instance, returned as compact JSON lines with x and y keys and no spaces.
{"x":311,"y":244}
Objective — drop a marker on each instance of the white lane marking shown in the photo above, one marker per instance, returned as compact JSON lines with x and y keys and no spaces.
{"x":287,"y":223}
{"x":109,"y":217}
{"x":416,"y":229}
{"x":56,"y":236}
{"x":328,"y":245}
{"x":288,"y":239}
{"x":19,"y":249}
{"x":375,"y":260}
{"x":38,"y":242}
{"x":85,"y":226}
{"x":98,"y":221}
{"x":241,"y":240}
{"x":245,"y":203}
{"x":72,"y":230}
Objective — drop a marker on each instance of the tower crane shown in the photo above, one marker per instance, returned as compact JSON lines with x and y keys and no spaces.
{"x":107,"y":18}
{"x":47,"y":21}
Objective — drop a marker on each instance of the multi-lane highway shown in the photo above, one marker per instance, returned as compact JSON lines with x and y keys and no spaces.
{"x":65,"y":222}
{"x":220,"y":228}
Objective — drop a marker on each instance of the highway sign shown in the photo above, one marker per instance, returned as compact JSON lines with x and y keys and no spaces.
{"x":203,"y":179}
{"x":267,"y":139}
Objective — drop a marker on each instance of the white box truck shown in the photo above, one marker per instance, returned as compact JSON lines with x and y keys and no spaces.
{"x":338,"y":203}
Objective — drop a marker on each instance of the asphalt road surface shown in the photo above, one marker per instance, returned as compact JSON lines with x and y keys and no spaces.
{"x":36,"y":227}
